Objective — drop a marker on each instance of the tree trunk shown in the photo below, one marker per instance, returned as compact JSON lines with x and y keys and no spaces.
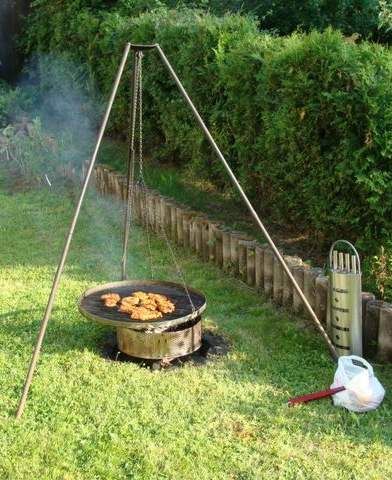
{"x":11,"y":17}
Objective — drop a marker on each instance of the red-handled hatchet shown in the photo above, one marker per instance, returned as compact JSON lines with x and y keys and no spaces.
{"x":314,"y":396}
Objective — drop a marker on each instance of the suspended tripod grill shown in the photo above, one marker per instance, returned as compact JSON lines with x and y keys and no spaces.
{"x":196,"y":300}
{"x":175,"y":334}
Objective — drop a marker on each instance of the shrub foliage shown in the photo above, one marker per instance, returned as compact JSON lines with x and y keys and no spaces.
{"x":305,"y":120}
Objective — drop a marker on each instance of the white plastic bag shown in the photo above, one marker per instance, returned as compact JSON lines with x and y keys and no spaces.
{"x":363,"y":392}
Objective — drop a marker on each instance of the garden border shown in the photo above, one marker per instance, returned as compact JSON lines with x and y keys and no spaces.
{"x":243,"y":257}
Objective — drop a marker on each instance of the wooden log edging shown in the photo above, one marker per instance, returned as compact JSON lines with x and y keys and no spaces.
{"x":244,"y":258}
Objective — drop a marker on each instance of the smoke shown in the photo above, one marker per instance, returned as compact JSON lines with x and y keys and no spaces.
{"x":71,"y":110}
{"x":67,"y":111}
{"x":66,"y":104}
{"x":55,"y":133}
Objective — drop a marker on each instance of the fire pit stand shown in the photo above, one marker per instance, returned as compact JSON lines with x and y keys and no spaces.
{"x":174,"y":335}
{"x":138,"y":51}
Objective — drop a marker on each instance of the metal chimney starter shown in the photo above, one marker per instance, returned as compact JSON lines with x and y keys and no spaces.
{"x":345,"y":306}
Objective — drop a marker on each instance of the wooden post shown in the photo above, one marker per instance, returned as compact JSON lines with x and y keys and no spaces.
{"x":111,"y":180}
{"x":102,"y":182}
{"x":371,"y":327}
{"x":212,"y":241}
{"x":192,"y":232}
{"x":173,"y":221}
{"x":97,"y":173}
{"x":259,"y":267}
{"x":150,"y":206}
{"x":101,"y":185}
{"x":384,"y":350}
{"x":242,"y":254}
{"x":156,"y":210}
{"x":106,"y":190}
{"x":218,"y":247}
{"x":186,"y":227}
{"x":234,"y":239}
{"x":116,"y":185}
{"x":287,"y":295}
{"x":205,"y":239}
{"x":153,"y":211}
{"x":122,"y":186}
{"x":106,"y":181}
{"x":277,"y":282}
{"x":198,"y":228}
{"x":142,"y":206}
{"x":250,"y":263}
{"x":321,"y":297}
{"x":310,"y":276}
{"x":145,"y":222}
{"x":298,"y":272}
{"x":110,"y":183}
{"x":366,"y":298}
{"x":138,"y":200}
{"x":124,"y":190}
{"x":226,"y":253}
{"x":180,"y":231}
{"x":268,"y":272}
{"x":156,"y":198}
{"x":150,"y":203}
{"x":94,"y":176}
{"x":165,"y":215}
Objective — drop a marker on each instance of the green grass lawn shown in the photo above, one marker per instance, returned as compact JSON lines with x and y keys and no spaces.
{"x":89,"y":418}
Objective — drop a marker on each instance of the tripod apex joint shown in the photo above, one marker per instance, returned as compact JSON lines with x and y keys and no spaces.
{"x":138,"y":47}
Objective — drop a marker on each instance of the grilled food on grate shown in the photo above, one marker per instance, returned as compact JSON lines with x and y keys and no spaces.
{"x":111,"y":299}
{"x":140,"y":305}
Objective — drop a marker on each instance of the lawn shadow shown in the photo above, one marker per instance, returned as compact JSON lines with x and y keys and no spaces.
{"x":61,"y":336}
{"x":267,"y":349}
{"x":291,"y":361}
{"x":283,"y":375}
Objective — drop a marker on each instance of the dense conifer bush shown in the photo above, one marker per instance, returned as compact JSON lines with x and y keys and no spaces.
{"x":363,"y":17}
{"x":305,"y":120}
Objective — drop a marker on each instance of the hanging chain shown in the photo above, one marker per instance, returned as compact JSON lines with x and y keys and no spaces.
{"x":141,"y":119}
{"x":138,"y":109}
{"x":131,"y":160}
{"x":139,"y":101}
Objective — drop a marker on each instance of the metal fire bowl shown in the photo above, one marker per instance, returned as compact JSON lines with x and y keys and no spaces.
{"x":184,"y":340}
{"x":91,"y":306}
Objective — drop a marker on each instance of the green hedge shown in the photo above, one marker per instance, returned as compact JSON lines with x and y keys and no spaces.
{"x":368,"y":18}
{"x":305,"y":120}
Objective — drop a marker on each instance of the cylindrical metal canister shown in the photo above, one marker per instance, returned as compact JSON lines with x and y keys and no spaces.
{"x":345,"y":301}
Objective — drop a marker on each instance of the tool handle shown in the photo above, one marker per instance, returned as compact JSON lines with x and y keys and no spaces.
{"x":315,"y":395}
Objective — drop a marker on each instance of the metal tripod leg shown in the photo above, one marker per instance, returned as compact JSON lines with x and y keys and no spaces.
{"x":247,"y":202}
{"x":64,"y":254}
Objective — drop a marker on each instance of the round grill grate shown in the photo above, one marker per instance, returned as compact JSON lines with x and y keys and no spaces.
{"x":91,"y":306}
